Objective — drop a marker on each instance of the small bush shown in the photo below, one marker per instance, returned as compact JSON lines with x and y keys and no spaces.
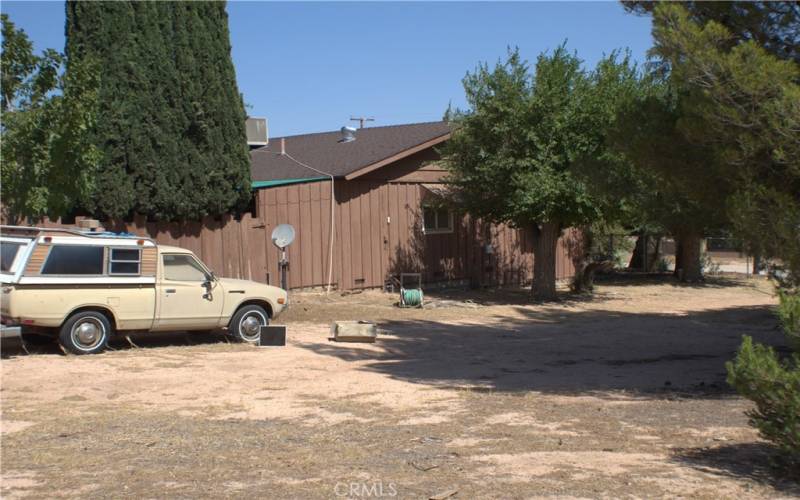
{"x":789,"y":316}
{"x":662,"y":266}
{"x":609,"y":243}
{"x":707,"y":264}
{"x":774,"y":386}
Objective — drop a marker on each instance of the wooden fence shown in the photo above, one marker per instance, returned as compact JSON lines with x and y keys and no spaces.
{"x":231,"y":248}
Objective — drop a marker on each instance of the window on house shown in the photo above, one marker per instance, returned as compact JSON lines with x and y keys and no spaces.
{"x":437,"y":220}
{"x":74,"y":259}
{"x":124,"y":261}
{"x":178,"y":267}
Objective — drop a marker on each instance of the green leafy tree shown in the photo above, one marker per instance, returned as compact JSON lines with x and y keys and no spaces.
{"x":47,"y":166}
{"x":720,"y":142}
{"x":775,"y":26}
{"x":18,"y":65}
{"x":741,"y":103}
{"x":676,"y":189}
{"x":516,"y":153}
{"x":170,"y":126}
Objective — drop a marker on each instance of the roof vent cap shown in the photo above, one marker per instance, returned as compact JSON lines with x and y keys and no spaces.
{"x":348,"y":134}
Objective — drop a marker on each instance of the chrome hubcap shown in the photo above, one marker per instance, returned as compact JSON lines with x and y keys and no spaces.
{"x":250,"y":327}
{"x":87,"y":333}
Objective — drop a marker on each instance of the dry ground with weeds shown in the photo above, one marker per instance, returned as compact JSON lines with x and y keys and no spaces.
{"x":621,"y":395}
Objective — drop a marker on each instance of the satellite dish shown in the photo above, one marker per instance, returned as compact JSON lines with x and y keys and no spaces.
{"x":283,"y":235}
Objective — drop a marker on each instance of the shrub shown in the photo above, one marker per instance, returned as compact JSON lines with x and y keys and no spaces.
{"x":789,"y":316}
{"x":662,"y":266}
{"x":707,"y":264}
{"x":774,"y":386}
{"x":609,"y":243}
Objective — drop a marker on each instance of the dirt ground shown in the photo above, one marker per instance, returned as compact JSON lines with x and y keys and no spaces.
{"x":479,"y":395}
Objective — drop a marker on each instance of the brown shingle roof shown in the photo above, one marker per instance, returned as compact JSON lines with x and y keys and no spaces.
{"x":324,"y":152}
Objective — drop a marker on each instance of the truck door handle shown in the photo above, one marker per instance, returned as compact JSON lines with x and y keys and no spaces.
{"x":170,"y":290}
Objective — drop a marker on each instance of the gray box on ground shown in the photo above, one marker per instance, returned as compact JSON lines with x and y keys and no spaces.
{"x":272,"y":335}
{"x":353,"y":331}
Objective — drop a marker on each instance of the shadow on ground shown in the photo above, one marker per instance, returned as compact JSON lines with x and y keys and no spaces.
{"x":743,"y":460}
{"x":42,"y":345}
{"x":633,"y":278}
{"x":552,"y":349}
{"x":522,"y":295}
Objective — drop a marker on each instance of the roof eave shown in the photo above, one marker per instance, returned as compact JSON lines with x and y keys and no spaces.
{"x":399,"y":156}
{"x":285,"y":182}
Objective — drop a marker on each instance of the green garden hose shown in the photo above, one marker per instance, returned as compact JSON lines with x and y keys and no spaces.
{"x":412,"y":297}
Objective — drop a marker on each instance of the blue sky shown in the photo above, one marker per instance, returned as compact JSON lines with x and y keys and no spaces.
{"x":308,"y":67}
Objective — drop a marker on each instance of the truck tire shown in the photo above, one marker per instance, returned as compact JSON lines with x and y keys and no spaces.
{"x":86,"y":332}
{"x":246,"y":324}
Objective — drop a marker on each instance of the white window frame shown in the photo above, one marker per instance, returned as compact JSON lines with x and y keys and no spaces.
{"x":111,"y":261}
{"x":437,"y":229}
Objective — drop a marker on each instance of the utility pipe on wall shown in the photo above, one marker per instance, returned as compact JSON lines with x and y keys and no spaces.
{"x":333,"y":205}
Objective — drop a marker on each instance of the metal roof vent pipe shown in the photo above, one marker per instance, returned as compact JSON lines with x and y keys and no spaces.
{"x":348,"y":134}
{"x":283,"y":146}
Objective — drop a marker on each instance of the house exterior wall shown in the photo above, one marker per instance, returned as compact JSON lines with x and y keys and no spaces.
{"x":378,"y":234}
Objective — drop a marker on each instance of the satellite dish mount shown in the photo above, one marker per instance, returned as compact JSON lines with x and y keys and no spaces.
{"x":282,"y":237}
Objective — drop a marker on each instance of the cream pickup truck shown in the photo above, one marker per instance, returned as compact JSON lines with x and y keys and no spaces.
{"x":83,"y":286}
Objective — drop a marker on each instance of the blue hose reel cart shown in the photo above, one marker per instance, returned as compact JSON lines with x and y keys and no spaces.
{"x":411,"y":297}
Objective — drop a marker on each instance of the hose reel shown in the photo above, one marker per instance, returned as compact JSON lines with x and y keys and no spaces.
{"x":411,"y":297}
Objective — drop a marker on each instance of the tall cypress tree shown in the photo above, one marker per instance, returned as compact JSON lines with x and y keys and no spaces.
{"x":171,"y":119}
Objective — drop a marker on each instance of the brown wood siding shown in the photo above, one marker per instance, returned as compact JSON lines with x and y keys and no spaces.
{"x":149,"y":261}
{"x":384,"y":238}
{"x":419,"y":167}
{"x":35,"y":261}
{"x":307,"y":208}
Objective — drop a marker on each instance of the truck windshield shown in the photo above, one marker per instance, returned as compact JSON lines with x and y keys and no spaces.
{"x":8,"y":253}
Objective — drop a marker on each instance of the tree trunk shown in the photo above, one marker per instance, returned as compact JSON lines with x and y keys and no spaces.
{"x":637,"y":260}
{"x":544,"y":261}
{"x":690,"y":251}
{"x":649,"y":244}
{"x":655,"y":255}
{"x":581,"y":261}
{"x":756,"y":264}
{"x":678,"y":258}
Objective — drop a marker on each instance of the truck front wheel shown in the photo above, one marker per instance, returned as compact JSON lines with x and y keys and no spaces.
{"x":246,"y":324}
{"x":85,"y":332}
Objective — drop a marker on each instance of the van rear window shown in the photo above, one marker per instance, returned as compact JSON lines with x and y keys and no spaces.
{"x":74,"y":259}
{"x":124,"y":261}
{"x":8,"y":252}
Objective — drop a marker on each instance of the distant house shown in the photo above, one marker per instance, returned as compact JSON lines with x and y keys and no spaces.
{"x":387,"y":213}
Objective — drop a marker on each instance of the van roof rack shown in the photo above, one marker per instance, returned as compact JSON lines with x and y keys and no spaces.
{"x":87,"y":233}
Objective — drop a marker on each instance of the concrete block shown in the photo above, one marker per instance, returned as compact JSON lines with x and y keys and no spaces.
{"x":353,"y":331}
